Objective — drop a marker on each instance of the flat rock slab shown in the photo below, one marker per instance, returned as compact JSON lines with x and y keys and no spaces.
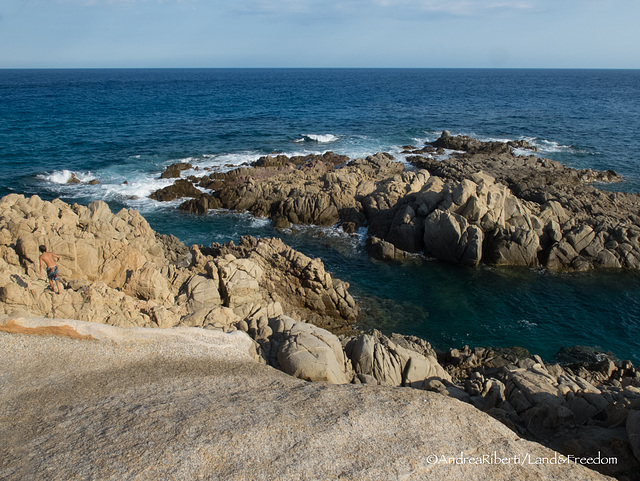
{"x":191,"y":404}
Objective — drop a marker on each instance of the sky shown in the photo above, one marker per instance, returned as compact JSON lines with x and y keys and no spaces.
{"x":320,"y":33}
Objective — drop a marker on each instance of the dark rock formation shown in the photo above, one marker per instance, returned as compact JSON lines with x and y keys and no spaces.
{"x":174,"y":170}
{"x":482,"y":204}
{"x":180,"y":188}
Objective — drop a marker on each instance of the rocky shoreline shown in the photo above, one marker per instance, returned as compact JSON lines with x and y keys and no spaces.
{"x":484,"y":203}
{"x":118,"y":271}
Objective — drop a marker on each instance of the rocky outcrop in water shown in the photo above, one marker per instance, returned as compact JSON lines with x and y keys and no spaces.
{"x":483,"y":204}
{"x":175,"y":170}
{"x":118,"y":271}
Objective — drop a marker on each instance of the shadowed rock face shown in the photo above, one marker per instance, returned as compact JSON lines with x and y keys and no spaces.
{"x":482,"y":204}
{"x":181,"y":408}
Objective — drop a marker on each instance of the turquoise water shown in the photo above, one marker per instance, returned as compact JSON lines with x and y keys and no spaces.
{"x":126,"y":125}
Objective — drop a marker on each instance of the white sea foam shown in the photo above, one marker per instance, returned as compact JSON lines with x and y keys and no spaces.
{"x":217,"y":162}
{"x":320,"y":138}
{"x":64,"y":176}
{"x":527,"y":324}
{"x":549,"y":146}
{"x":138,"y":187}
{"x":258,"y":222}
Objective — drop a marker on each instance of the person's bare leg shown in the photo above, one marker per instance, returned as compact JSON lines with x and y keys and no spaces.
{"x":58,"y":283}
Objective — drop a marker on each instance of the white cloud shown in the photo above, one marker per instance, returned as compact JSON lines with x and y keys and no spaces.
{"x":121,"y":2}
{"x":268,"y":7}
{"x":366,"y":7}
{"x":460,"y":7}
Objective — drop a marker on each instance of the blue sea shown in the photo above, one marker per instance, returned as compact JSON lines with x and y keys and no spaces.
{"x":127,"y":125}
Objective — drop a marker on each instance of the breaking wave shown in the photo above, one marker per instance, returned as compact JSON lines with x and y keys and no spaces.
{"x":319,"y":138}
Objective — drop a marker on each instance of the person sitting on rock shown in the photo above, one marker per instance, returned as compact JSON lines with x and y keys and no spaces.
{"x":50,"y":259}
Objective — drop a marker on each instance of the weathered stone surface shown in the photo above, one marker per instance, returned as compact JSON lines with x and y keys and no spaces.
{"x":579,"y":410}
{"x":393,"y":364}
{"x":174,"y":170}
{"x":513,"y":247}
{"x":201,"y":204}
{"x":148,"y":283}
{"x":380,"y":249}
{"x":298,"y":283}
{"x":117,"y":270}
{"x":202,"y":291}
{"x":449,"y":237}
{"x":97,"y":410}
{"x":313,"y":354}
{"x":493,"y":205}
{"x":240,"y":281}
{"x":633,"y":431}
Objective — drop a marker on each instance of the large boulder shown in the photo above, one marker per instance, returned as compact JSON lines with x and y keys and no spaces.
{"x":313,"y":354}
{"x":394,"y":362}
{"x":301,"y":285}
{"x":514,"y":246}
{"x":148,"y":284}
{"x":240,"y":283}
{"x":180,"y":188}
{"x":449,"y":237}
{"x":202,"y":292}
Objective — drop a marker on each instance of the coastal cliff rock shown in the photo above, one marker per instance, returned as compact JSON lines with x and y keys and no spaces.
{"x":547,"y":214}
{"x":295,"y":280}
{"x":190,"y":403}
{"x":485,"y":203}
{"x":118,"y":271}
{"x":180,"y":188}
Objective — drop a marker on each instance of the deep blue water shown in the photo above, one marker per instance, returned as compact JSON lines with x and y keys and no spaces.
{"x":126,"y":125}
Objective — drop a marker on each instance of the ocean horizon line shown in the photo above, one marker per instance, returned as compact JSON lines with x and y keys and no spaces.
{"x":329,"y":68}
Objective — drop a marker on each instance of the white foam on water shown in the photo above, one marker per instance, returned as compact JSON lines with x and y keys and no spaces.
{"x":111,"y":186}
{"x":420,"y":142}
{"x":527,"y":324}
{"x":258,"y":222}
{"x":549,"y":146}
{"x":319,"y":138}
{"x":139,"y":187}
{"x":218,"y":162}
{"x":64,"y":176}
